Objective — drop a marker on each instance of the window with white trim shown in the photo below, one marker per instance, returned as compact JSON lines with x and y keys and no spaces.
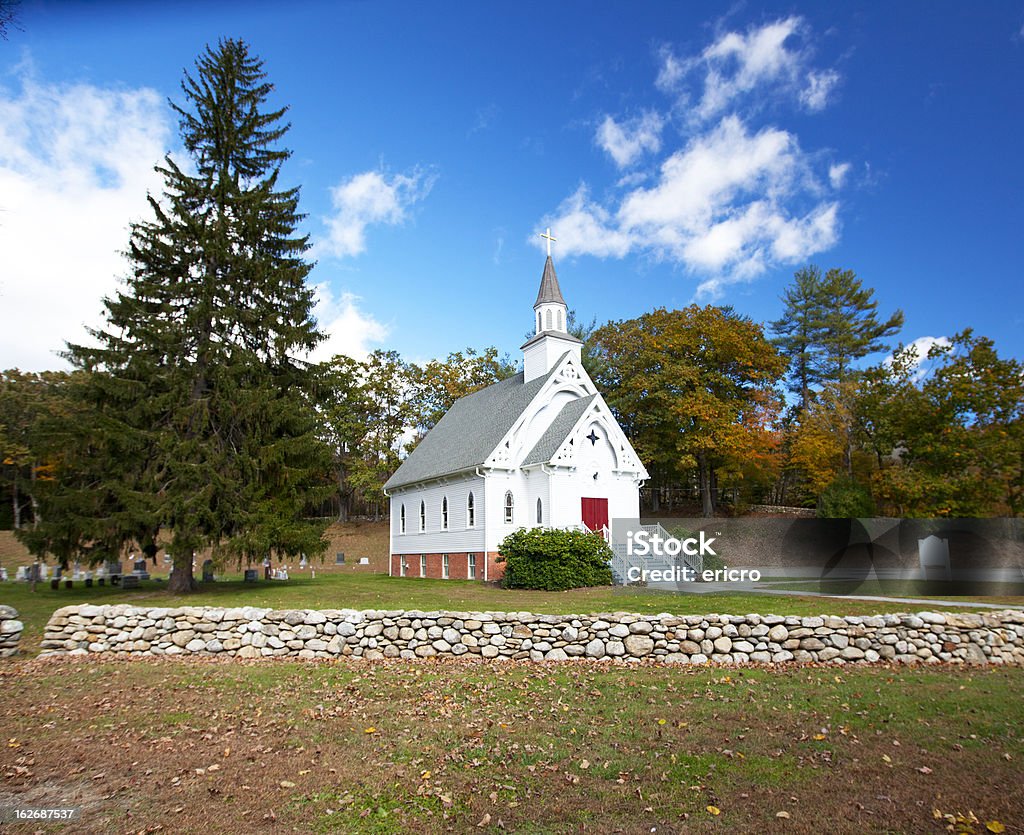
{"x":403,"y":567}
{"x":444,"y":513}
{"x":509,"y":507}
{"x":547,"y":320}
{"x":540,"y":512}
{"x":423,"y":565}
{"x":470,"y":512}
{"x":471,"y":566}
{"x":423,"y":516}
{"x":444,"y":566}
{"x":401,"y":520}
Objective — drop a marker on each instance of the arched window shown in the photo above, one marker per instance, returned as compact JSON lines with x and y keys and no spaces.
{"x":547,"y":320}
{"x":444,"y":513}
{"x":539,"y":328}
{"x":561,"y":324}
{"x":540,"y":512}
{"x":423,"y":516}
{"x":401,"y":520}
{"x":470,"y":512}
{"x":509,"y":506}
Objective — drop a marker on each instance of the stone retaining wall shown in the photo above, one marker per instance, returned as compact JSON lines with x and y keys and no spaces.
{"x":10,"y":631}
{"x":989,"y":638}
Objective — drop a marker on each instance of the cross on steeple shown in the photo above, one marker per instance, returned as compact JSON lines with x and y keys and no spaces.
{"x":547,"y":235}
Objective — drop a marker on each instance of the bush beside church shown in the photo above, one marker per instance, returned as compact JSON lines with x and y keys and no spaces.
{"x":554,"y":560}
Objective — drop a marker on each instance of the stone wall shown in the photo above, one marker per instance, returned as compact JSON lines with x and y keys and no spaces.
{"x":989,"y":638}
{"x":10,"y":631}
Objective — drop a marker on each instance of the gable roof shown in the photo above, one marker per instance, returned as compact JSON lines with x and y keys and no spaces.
{"x":549,"y":290}
{"x":556,"y":433}
{"x":469,"y":431}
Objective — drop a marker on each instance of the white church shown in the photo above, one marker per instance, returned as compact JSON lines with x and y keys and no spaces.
{"x":540,"y":449}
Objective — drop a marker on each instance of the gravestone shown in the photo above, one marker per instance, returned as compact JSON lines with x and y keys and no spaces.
{"x":208,"y":571}
{"x":364,"y":560}
{"x":339,"y":558}
{"x":933,"y":555}
{"x":55,"y":584}
{"x":88,"y":582}
{"x":250,"y":575}
{"x":129,"y":581}
{"x":68,"y":584}
{"x":139,"y":570}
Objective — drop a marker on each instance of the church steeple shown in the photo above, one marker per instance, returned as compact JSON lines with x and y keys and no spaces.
{"x":550,"y":308}
{"x":551,"y":338}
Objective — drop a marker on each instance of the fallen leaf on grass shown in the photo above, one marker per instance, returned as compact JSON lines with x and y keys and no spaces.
{"x":994,"y":826}
{"x":784,"y":815}
{"x":370,"y":731}
{"x":486,"y":819}
{"x":925,"y":770}
{"x":287,"y":784}
{"x":714,"y":810}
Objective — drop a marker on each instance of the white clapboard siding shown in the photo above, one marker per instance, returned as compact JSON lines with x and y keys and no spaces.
{"x":433,"y":540}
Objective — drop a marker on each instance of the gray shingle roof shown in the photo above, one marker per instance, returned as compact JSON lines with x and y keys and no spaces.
{"x":549,"y":289}
{"x":556,"y":433}
{"x":469,"y":431}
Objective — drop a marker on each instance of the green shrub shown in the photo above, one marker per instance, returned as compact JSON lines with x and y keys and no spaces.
{"x":554,"y":560}
{"x":845,"y":499}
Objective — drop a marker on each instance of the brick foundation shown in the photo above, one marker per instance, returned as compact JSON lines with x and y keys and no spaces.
{"x":458,"y":566}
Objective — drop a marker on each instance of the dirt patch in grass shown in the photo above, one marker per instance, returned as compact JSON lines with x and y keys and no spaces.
{"x":207,"y":745}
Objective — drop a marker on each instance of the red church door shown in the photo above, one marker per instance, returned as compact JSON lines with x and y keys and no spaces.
{"x":595,"y":513}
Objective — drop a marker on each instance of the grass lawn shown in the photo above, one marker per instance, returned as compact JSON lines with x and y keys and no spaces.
{"x":431,"y":747}
{"x":377,"y":591}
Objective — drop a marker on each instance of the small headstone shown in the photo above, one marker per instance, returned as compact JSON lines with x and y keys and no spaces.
{"x":55,"y":584}
{"x":364,"y":560}
{"x":68,"y":584}
{"x":208,"y":571}
{"x":114,"y":568}
{"x":21,"y":573}
{"x":251,"y":575}
{"x":339,"y":558}
{"x":130,"y":581}
{"x":139,"y":570}
{"x":101,"y":581}
{"x":88,"y":582}
{"x":3,"y":575}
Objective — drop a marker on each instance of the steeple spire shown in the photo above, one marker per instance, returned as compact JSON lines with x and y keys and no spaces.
{"x":551,"y":339}
{"x":550,"y":292}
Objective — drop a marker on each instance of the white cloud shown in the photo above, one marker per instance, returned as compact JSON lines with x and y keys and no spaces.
{"x":76,"y":162}
{"x":815,"y":96}
{"x":349,"y":330}
{"x":585,"y":228}
{"x":627,"y":141}
{"x":671,"y":71}
{"x":837,"y":174}
{"x":739,"y":65}
{"x":730,"y":201}
{"x":917,"y":352}
{"x":366,"y":199}
{"x":720,"y":206}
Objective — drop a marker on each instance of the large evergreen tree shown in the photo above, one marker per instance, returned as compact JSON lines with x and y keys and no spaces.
{"x":198,"y":371}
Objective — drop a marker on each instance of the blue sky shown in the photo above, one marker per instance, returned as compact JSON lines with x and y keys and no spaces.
{"x":679,"y":152}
